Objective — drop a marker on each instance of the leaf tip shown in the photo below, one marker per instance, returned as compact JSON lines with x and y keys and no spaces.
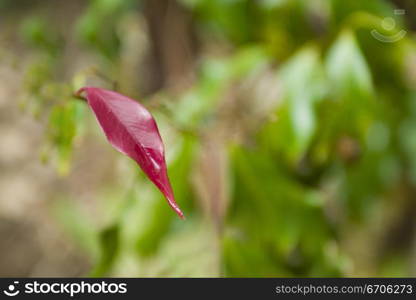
{"x":175,"y":206}
{"x":177,"y":209}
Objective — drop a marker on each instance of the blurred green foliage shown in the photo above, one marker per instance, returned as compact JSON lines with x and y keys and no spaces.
{"x":327,"y":157}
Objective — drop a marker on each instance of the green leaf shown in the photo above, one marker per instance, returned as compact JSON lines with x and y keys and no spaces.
{"x":36,"y":32}
{"x":64,"y":122}
{"x":303,"y":86}
{"x":348,"y":71}
{"x":109,"y":246}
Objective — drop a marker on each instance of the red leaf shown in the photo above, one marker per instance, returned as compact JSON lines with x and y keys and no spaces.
{"x":131,"y":129}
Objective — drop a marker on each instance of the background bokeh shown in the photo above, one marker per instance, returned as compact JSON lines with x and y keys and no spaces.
{"x":290,"y":132}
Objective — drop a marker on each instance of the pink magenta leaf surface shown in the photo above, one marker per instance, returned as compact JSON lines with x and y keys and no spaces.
{"x":131,"y":129}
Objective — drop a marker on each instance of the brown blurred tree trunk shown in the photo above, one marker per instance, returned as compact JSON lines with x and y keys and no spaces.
{"x":172,"y":44}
